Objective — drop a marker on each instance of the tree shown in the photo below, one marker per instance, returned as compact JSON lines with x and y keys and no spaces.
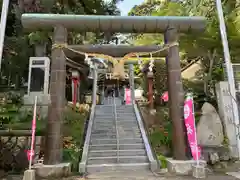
{"x":206,"y":46}
{"x":17,"y":41}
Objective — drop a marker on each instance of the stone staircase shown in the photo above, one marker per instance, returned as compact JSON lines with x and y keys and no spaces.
{"x":116,"y":141}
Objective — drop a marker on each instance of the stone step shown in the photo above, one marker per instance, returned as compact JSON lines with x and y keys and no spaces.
{"x":114,"y":141}
{"x":112,"y":110}
{"x":124,"y":121}
{"x":132,"y":126}
{"x":121,"y":132}
{"x":104,"y":127}
{"x":114,"y":146}
{"x":115,"y":159}
{"x":98,"y":136}
{"x":104,"y":130}
{"x":113,"y":130}
{"x":110,"y":117}
{"x":113,"y":126}
{"x":122,"y":124}
{"x":112,"y":113}
{"x":106,"y":153}
{"x":101,"y":168}
{"x":113,"y":119}
{"x":111,"y":107}
{"x":124,"y":108}
{"x":111,"y":136}
{"x":127,"y":127}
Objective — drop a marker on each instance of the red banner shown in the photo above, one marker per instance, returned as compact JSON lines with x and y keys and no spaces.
{"x":128,"y":98}
{"x":191,"y":128}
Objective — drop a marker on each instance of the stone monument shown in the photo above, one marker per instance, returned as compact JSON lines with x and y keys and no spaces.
{"x":209,"y":128}
{"x":38,"y":84}
{"x":225,"y":107}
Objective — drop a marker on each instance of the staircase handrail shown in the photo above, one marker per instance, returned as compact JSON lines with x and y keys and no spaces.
{"x":82,"y":164}
{"x":116,"y":125}
{"x":148,"y":135}
{"x":153,"y":162}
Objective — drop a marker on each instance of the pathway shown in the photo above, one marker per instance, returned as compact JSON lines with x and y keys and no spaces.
{"x":132,"y":175}
{"x":135,"y":177}
{"x":149,"y":176}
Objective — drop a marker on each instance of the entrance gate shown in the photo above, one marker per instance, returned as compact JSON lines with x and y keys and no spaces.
{"x":170,"y":26}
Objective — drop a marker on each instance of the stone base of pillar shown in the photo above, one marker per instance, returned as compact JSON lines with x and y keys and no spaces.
{"x":178,"y":167}
{"x":199,"y":171}
{"x":29,"y":175}
{"x":52,"y":171}
{"x":43,"y":102}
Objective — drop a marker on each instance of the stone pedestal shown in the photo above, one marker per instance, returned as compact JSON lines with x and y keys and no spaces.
{"x":199,"y":171}
{"x":179,"y":167}
{"x":54,"y":171}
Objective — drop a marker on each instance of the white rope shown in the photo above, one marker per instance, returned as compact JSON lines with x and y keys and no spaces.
{"x":140,"y":63}
{"x":151,"y":64}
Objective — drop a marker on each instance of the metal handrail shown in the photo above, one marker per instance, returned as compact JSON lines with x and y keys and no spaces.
{"x":82,"y":164}
{"x":153,"y":162}
{"x":116,"y":125}
{"x":147,"y":133}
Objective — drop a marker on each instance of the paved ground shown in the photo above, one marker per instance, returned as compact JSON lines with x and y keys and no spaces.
{"x":145,"y":175}
{"x":139,"y":176}
{"x":150,"y":176}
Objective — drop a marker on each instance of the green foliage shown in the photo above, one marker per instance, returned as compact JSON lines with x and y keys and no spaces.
{"x":9,"y":109}
{"x":197,"y":89}
{"x":38,"y":37}
{"x":161,"y":133}
{"x":163,"y":161}
{"x":160,"y":79}
{"x":19,"y":46}
{"x":71,"y":155}
{"x":74,"y":122}
{"x":74,"y":128}
{"x":161,"y":137}
{"x":206,"y":46}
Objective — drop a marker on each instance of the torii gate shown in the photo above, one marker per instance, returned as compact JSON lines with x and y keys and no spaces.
{"x":170,"y":26}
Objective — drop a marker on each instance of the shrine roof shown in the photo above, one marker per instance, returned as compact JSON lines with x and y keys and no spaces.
{"x":122,"y":24}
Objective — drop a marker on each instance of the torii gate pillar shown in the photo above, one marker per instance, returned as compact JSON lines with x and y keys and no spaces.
{"x":176,"y":95}
{"x":54,"y":139}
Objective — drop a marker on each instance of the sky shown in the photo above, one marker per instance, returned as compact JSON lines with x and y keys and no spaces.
{"x":127,"y":5}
